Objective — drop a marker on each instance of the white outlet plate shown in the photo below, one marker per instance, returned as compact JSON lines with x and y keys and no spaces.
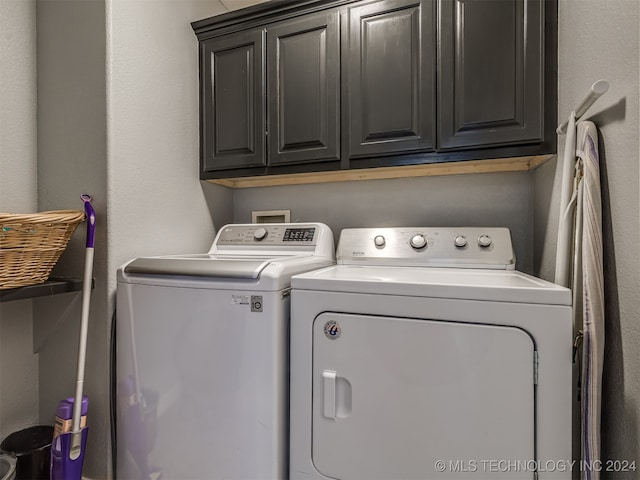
{"x":271,"y":216}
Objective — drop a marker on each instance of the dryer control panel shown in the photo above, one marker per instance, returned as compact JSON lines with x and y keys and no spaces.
{"x":461,"y":247}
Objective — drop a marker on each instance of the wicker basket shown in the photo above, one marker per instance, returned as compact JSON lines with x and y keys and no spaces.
{"x":30,"y":245}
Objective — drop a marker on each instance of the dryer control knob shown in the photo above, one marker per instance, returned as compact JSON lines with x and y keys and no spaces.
{"x":484,"y":241}
{"x":460,"y":241}
{"x":379,"y":241}
{"x":418,"y":241}
{"x":260,"y":233}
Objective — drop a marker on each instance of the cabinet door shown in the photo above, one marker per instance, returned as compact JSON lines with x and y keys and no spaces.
{"x":391,"y":71}
{"x":232,"y":101}
{"x":490,"y":72}
{"x":304,"y":89}
{"x":393,"y":396}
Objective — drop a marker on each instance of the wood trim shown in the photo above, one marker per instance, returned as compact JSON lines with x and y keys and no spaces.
{"x":515,"y":164}
{"x":540,"y":160}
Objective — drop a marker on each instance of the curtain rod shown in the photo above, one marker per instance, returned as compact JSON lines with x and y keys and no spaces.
{"x":595,"y":92}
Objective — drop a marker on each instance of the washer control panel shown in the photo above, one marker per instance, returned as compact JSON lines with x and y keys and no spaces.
{"x":274,"y":239}
{"x":462,"y":247}
{"x":267,"y":234}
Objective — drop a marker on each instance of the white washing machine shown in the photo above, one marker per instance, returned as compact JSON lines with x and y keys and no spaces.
{"x":423,"y":354}
{"x":202,"y":355}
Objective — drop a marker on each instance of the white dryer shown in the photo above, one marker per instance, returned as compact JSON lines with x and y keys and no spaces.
{"x":425,"y":355}
{"x":202,"y":355}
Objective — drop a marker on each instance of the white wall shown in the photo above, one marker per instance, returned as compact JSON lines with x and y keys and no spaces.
{"x":118,"y":118}
{"x":156,"y":201}
{"x":18,"y":194}
{"x":72,"y":160}
{"x":18,"y":147}
{"x":600,"y":39}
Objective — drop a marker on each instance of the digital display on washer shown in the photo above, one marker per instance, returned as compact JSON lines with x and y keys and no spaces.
{"x":299,"y":235}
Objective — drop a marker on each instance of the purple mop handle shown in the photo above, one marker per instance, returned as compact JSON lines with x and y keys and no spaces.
{"x":91,"y":219}
{"x":84,"y":324}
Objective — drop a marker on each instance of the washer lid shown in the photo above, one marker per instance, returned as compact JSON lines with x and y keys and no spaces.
{"x":200,"y":266}
{"x":490,"y":285}
{"x":245,"y":251}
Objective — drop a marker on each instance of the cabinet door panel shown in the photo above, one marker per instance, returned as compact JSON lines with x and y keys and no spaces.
{"x":490,"y":76}
{"x":379,"y":413}
{"x":233,"y":124}
{"x":390,"y":77}
{"x":304,"y":85}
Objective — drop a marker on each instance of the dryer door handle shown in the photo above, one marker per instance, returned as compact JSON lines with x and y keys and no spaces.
{"x":329,"y":394}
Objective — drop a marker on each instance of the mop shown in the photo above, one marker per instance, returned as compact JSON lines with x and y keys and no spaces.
{"x":70,"y":434}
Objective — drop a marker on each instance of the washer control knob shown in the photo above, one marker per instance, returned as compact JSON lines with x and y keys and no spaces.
{"x":418,"y":241}
{"x":260,"y":233}
{"x":460,"y":241}
{"x":379,"y":241}
{"x":484,"y":241}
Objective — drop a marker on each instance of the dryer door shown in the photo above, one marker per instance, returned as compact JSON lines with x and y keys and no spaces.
{"x":394,"y":397}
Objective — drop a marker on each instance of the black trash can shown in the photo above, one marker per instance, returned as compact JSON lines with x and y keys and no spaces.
{"x":32,"y":448}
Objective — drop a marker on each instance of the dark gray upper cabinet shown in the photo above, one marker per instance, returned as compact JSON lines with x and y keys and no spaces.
{"x":232,"y":101}
{"x":293,"y":86}
{"x":303,"y":76}
{"x":490,"y":73}
{"x":390,"y":70}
